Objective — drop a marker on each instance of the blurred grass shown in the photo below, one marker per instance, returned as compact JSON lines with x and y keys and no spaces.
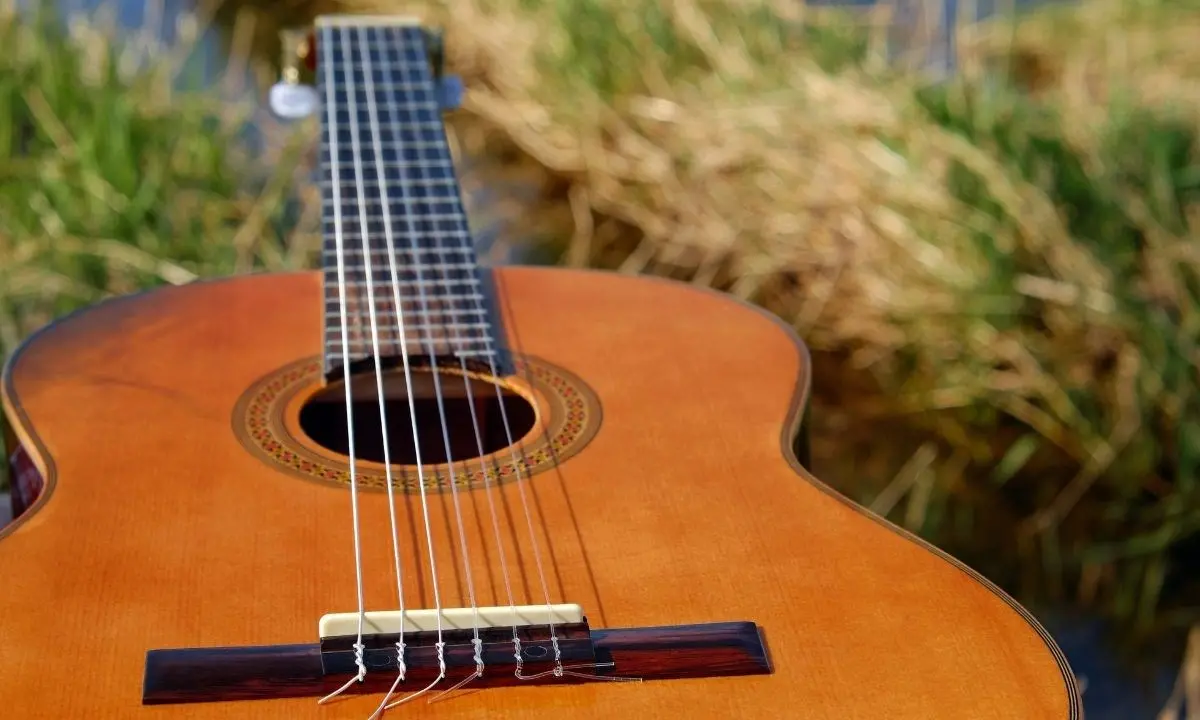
{"x":119,"y":171}
{"x":116,"y":176}
{"x":1000,"y":269}
{"x":997,"y":273}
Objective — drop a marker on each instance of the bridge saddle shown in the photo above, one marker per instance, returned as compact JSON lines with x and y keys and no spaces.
{"x":538,"y":629}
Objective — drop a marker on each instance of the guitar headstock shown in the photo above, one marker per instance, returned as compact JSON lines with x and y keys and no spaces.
{"x":293,"y":99}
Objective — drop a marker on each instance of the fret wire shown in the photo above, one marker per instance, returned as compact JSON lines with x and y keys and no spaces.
{"x":375,"y":203}
{"x":478,"y":344}
{"x":448,"y":183}
{"x":408,"y":276}
{"x":411,"y":254}
{"x":429,"y":283}
{"x":417,"y":165}
{"x":428,"y":217}
{"x":450,"y":313}
{"x":460,"y":266}
{"x":438,"y":256}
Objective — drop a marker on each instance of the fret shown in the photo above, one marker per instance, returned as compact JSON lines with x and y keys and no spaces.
{"x":372,"y":184}
{"x":417,"y":327}
{"x":390,"y":194}
{"x":374,"y":221}
{"x":408,"y":313}
{"x":364,"y":349}
{"x":427,"y":148}
{"x":411,"y":273}
{"x":400,"y":150}
{"x":423,"y":255}
{"x":412,"y":183}
{"x":410,"y":294}
{"x":423,"y":258}
{"x":428,"y":171}
{"x":421,"y":182}
{"x":410,"y":286}
{"x":478,"y":345}
{"x":361,"y":345}
{"x":415,"y":88}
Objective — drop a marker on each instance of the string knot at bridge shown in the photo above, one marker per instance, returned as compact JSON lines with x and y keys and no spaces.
{"x":359,"y":650}
{"x":478,"y":643}
{"x":400,"y":666}
{"x":441,"y":656}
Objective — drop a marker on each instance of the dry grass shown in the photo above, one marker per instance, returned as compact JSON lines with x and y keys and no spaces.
{"x":1005,"y":262}
{"x":1003,"y":267}
{"x":116,"y":178}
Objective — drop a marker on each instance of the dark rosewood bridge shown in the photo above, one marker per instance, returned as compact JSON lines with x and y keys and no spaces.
{"x":315,"y":669}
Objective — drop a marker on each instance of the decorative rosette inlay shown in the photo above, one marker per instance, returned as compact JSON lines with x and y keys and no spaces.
{"x":264,"y":420}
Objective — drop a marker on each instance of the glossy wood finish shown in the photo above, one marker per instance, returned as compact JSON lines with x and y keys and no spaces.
{"x":160,"y":530}
{"x":255,"y":673}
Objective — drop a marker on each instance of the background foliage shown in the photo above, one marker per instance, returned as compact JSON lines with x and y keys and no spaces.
{"x":1000,"y":270}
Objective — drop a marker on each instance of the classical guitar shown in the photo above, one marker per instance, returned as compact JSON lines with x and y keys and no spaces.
{"x":408,"y":483}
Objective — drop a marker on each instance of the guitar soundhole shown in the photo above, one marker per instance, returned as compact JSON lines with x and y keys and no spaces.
{"x":323,"y":418}
{"x":295,"y":421}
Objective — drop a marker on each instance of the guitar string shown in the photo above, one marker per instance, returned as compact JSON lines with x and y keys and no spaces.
{"x":517,"y":465}
{"x":393,"y":112}
{"x":331,"y":121}
{"x":354,"y":113}
{"x":436,"y":237}
{"x":440,"y":270}
{"x":433,"y":107}
{"x":369,"y":274}
{"x":559,"y":669}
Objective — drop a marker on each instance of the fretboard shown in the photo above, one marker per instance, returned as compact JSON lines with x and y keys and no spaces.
{"x":397,"y":246}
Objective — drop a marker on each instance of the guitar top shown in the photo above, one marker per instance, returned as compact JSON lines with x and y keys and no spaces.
{"x":407,"y":484}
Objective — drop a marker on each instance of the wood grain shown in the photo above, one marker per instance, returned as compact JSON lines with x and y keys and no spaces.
{"x":160,"y":530}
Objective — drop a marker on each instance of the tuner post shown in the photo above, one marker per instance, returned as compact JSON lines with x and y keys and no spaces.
{"x":296,"y":50}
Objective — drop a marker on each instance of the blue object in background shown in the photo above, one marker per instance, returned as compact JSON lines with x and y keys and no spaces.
{"x":1110,"y":692}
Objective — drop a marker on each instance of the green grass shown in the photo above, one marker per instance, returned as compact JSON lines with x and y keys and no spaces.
{"x":115,"y":177}
{"x":1002,"y":266}
{"x":1021,"y":297}
{"x":1118,"y":407}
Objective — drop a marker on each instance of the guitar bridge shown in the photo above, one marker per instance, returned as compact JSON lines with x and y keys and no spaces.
{"x":537,"y":629}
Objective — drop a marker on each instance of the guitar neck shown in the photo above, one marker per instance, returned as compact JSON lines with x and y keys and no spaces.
{"x":400,"y":269}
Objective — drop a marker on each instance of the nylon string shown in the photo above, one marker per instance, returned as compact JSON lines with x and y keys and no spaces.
{"x":437,"y":237}
{"x":462,"y":350}
{"x":331,"y":120}
{"x":430,"y":103}
{"x":374,"y":321}
{"x":463,"y":234}
{"x":395,"y":283}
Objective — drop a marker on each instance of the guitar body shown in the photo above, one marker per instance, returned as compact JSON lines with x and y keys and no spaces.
{"x":677,"y":500}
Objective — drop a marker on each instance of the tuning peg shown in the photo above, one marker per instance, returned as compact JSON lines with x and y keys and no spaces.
{"x":289,"y":99}
{"x":292,"y":101}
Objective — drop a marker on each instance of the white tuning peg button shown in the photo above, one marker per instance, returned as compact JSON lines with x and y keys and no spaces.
{"x":292,"y":101}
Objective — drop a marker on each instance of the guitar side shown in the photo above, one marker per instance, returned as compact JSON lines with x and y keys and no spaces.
{"x":158,"y":528}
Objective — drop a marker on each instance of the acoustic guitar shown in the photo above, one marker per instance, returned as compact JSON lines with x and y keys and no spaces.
{"x":408,"y":484}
